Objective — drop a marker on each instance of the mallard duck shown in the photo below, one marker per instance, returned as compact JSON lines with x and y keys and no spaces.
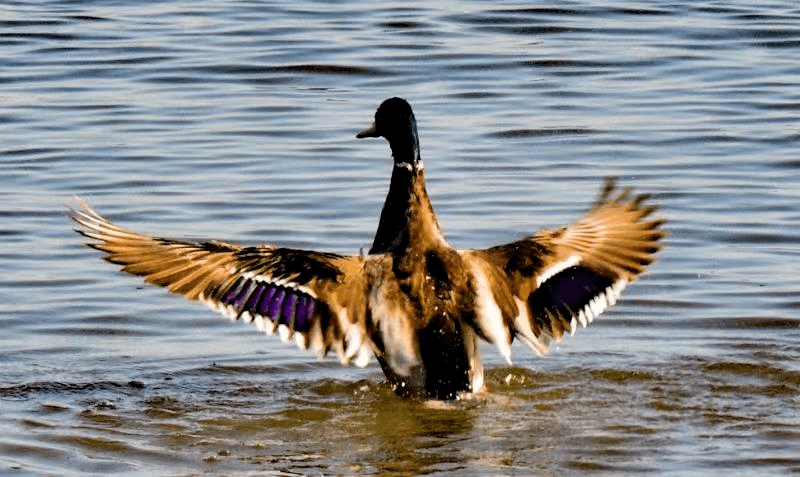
{"x":414,"y":302}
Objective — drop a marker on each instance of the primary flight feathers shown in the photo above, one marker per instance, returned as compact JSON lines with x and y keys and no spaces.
{"x":414,"y":302}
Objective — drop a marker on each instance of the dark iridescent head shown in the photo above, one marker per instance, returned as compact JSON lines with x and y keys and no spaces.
{"x":395,"y":121}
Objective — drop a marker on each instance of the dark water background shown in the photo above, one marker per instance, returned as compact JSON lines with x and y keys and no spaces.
{"x":236,"y":120}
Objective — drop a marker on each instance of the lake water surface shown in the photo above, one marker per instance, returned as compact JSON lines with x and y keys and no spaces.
{"x":236,"y":121}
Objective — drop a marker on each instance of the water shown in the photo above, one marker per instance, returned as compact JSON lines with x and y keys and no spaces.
{"x":236,"y":120}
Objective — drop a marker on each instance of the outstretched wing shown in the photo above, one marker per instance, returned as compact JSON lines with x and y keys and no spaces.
{"x":565,"y":277}
{"x":318,"y":299}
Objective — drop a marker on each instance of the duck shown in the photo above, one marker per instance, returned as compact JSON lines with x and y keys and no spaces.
{"x":417,"y":304}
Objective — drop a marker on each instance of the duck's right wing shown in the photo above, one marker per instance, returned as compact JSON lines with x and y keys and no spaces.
{"x":319,"y":299}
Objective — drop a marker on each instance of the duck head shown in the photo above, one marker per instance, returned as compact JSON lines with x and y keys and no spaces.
{"x":394,"y":121}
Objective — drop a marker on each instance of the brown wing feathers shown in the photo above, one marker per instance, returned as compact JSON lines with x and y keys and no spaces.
{"x":567,"y":277}
{"x":299,"y":293}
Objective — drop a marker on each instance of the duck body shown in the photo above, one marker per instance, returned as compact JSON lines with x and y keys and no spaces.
{"x":415,"y":302}
{"x":427,"y":275}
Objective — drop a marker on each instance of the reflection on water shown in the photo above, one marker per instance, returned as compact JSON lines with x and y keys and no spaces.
{"x":235,"y":121}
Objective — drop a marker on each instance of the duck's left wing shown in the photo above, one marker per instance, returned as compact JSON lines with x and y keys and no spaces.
{"x":561,"y":278}
{"x":316,"y":298}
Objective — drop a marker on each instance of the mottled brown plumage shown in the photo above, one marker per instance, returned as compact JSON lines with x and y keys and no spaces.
{"x":414,"y":302}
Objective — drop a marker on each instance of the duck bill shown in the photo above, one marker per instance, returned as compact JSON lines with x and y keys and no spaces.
{"x":371,"y":131}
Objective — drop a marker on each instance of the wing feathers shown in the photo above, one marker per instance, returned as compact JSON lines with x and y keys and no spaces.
{"x":494,"y":305}
{"x":567,"y":277}
{"x":307,"y":296}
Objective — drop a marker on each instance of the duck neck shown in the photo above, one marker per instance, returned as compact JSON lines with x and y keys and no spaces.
{"x":405,"y":151}
{"x":407,"y":216}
